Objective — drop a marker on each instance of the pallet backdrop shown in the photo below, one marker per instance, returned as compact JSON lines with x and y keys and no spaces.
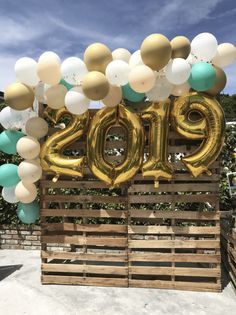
{"x":135,"y":235}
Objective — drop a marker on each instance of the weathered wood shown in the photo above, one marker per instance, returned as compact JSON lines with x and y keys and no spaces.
{"x":174,"y":244}
{"x":165,"y":257}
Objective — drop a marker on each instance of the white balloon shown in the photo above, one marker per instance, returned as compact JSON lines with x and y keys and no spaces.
{"x":29,"y":171}
{"x":136,"y":59}
{"x":40,"y":90}
{"x":49,"y":54}
{"x":161,"y":90}
{"x":8,"y":194}
{"x":142,"y":79}
{"x":178,"y":71}
{"x":26,"y":71}
{"x":204,"y":46}
{"x":73,"y":70}
{"x":10,"y":118}
{"x":76,"y":102}
{"x":225,"y":55}
{"x":121,"y":54}
{"x":181,"y":89}
{"x":117,"y":72}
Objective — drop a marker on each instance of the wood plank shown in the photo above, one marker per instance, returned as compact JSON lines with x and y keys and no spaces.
{"x":119,"y":257}
{"x":80,"y":184}
{"x":83,"y":198}
{"x":89,"y":241}
{"x":166,"y":257}
{"x":212,"y":198}
{"x":176,"y":187}
{"x":83,"y":213}
{"x":198,"y":244}
{"x":74,"y":280}
{"x":184,"y":215}
{"x":175,"y":271}
{"x":184,"y":177}
{"x":112,"y":270}
{"x":99,"y":228}
{"x":189,"y":230}
{"x":179,"y":285}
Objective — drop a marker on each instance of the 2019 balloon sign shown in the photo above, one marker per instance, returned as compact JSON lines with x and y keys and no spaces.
{"x":161,"y":85}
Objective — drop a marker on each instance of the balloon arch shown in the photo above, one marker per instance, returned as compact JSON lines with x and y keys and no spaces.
{"x":163,"y":83}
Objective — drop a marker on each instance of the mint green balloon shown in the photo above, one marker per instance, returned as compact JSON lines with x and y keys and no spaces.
{"x":28,"y":212}
{"x":9,"y":139}
{"x":8,"y":175}
{"x":66,"y":84}
{"x":202,"y":76}
{"x":130,"y":95}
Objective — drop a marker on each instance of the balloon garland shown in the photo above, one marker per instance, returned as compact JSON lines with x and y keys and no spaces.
{"x":122,"y":82}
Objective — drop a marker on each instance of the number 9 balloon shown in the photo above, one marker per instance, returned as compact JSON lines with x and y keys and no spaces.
{"x":210,"y":129}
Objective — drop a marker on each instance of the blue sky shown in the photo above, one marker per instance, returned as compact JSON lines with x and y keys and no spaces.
{"x":29,"y":27}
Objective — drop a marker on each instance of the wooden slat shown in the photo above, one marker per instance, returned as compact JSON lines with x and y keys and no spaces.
{"x":184,"y":215}
{"x":151,"y":229}
{"x":89,"y":241}
{"x":213,"y":198}
{"x":119,"y":257}
{"x":165,"y":257}
{"x":112,"y":270}
{"x":96,"y":281}
{"x":206,"y":244}
{"x":83,"y":198}
{"x":72,"y":227}
{"x":84,"y":213}
{"x":193,"y":187}
{"x":176,"y":271}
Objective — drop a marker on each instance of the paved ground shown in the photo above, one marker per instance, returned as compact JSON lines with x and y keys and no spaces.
{"x":21,"y":293}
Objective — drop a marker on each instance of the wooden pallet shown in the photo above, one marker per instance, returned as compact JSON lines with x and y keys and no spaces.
{"x":135,"y":235}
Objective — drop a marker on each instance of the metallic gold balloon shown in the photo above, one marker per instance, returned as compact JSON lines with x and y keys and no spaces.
{"x":156,"y":51}
{"x":52,"y":158}
{"x":19,"y":96}
{"x":157,"y":165}
{"x":101,"y":122}
{"x":97,"y":56}
{"x":95,"y":86}
{"x":210,"y":128}
{"x":180,"y":47}
{"x":220,"y":82}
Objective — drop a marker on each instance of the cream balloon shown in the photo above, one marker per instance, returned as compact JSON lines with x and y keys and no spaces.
{"x":29,"y":171}
{"x":26,"y":192}
{"x":113,"y":97}
{"x":28,"y":148}
{"x":36,"y":127}
{"x":26,"y":71}
{"x":141,"y":79}
{"x":204,"y":46}
{"x":225,"y":55}
{"x":49,"y":68}
{"x":135,"y":59}
{"x":8,"y":194}
{"x":117,"y":72}
{"x":121,"y":54}
{"x":181,"y":89}
{"x":49,"y":55}
{"x":161,"y":90}
{"x":178,"y":71}
{"x":55,"y":96}
{"x":73,"y":70}
{"x":76,"y":102}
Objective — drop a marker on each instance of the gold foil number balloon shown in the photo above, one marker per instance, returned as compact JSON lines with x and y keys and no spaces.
{"x":157,"y":165}
{"x":52,"y":158}
{"x":102,"y":121}
{"x":210,"y":128}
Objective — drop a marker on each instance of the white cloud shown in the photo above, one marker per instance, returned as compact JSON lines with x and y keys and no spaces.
{"x":7,"y":74}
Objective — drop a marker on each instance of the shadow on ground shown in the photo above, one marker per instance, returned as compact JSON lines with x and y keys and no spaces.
{"x":6,"y":271}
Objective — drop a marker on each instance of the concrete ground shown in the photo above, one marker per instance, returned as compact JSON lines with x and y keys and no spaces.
{"x":22,"y":293}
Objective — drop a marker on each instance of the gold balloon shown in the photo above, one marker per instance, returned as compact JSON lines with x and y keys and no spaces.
{"x":210,"y":128}
{"x":156,"y":51}
{"x":19,"y":96}
{"x":101,"y":122}
{"x":180,"y":47}
{"x":95,"y":86}
{"x":97,"y":56}
{"x":52,"y":158}
{"x":157,"y":165}
{"x":55,"y":96}
{"x":220,"y":82}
